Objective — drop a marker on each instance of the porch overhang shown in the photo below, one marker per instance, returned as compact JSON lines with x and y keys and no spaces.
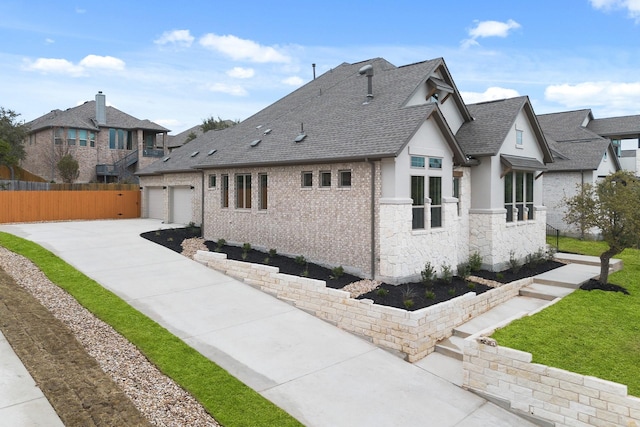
{"x":528,"y":164}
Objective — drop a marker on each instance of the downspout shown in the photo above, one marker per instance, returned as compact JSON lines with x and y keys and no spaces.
{"x":202,"y":204}
{"x":373,"y":218}
{"x":53,"y":153}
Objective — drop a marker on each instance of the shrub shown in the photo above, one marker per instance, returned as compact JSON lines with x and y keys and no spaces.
{"x":464,"y":270}
{"x":427,"y":274}
{"x":337,"y":272}
{"x":452,"y":291}
{"x":447,"y":273}
{"x":272,"y":253}
{"x":245,"y":250}
{"x":300,"y":260}
{"x":429,"y":294}
{"x":514,"y":263}
{"x":382,"y":292}
{"x":219,"y":244}
{"x":471,"y":285}
{"x":475,"y":262}
{"x":407,"y":297}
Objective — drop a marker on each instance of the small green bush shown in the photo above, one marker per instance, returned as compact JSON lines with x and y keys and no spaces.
{"x":447,"y":273}
{"x":464,"y":270}
{"x":429,"y":294}
{"x":475,"y":261}
{"x":272,"y":253}
{"x":301,"y":260}
{"x":514,"y":263}
{"x":219,"y":244}
{"x":452,"y":291}
{"x":337,"y":272}
{"x":427,"y":274}
{"x":382,"y":292}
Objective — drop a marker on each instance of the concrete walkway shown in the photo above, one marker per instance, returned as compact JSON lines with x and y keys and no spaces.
{"x":318,"y":373}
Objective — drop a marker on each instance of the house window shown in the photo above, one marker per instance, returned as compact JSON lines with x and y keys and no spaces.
{"x":71,"y":136}
{"x":325,"y":179}
{"x":112,"y":139}
{"x":435,"y":163}
{"x":129,"y":140}
{"x":58,"y":136}
{"x":121,"y":139}
{"x":456,"y":191}
{"x":149,"y":141}
{"x":417,"y":162}
{"x":345,"y":178}
{"x":307,"y":179}
{"x":92,"y":139}
{"x":417,"y":197}
{"x":212,"y":181}
{"x":435,"y":194}
{"x":262,"y":181}
{"x":243,"y":191}
{"x":519,"y":138}
{"x":82,"y":137}
{"x":225,"y":191}
{"x":518,"y":195}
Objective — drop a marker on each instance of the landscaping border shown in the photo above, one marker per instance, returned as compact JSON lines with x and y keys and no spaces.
{"x":554,"y":395}
{"x":413,"y":334}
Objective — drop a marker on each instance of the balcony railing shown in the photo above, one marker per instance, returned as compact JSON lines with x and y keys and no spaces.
{"x":153,"y":152}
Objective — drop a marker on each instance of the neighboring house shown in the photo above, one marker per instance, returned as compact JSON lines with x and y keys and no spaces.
{"x":178,"y":140}
{"x":580,"y":157}
{"x":108,"y":144}
{"x":621,"y":130}
{"x":370,"y":166}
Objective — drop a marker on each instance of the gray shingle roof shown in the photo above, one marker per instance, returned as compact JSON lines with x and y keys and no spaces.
{"x":576,"y":147}
{"x":333,"y":112}
{"x":616,"y":127}
{"x":492,"y":121}
{"x":83,"y":117}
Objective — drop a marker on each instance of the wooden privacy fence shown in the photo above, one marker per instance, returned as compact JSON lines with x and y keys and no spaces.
{"x":33,"y":206}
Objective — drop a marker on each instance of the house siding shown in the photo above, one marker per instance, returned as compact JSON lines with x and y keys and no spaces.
{"x":330,"y":226}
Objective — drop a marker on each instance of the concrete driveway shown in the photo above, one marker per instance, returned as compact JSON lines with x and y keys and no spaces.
{"x":318,"y":373}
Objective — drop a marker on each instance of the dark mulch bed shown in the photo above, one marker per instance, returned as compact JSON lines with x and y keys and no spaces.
{"x":596,"y":285}
{"x":398,"y":295}
{"x":395,"y":295}
{"x":172,"y":239}
{"x":527,"y":270}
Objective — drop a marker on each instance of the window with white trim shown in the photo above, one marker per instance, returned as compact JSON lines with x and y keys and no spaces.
{"x":519,"y":140}
{"x":518,"y":195}
{"x":417,"y":162}
{"x":435,"y":194}
{"x":417,"y":202}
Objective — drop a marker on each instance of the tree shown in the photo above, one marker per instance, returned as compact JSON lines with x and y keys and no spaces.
{"x":69,"y":169}
{"x":212,"y":123}
{"x":12,"y":136}
{"x":612,"y":206}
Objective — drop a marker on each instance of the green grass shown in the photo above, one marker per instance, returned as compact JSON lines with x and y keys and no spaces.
{"x":229,"y":401}
{"x":593,"y":333}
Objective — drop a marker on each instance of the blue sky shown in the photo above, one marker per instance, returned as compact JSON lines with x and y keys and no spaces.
{"x":177,"y":63}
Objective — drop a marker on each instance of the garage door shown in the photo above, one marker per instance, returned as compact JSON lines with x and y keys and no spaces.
{"x":155,"y":196}
{"x":181,"y":205}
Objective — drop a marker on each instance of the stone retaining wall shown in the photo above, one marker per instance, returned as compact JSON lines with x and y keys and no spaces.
{"x":560,"y":397}
{"x":412,"y":333}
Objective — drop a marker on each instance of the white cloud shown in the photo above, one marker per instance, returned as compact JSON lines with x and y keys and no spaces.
{"x":81,"y":11}
{"x":241,"y":73}
{"x":63,"y":66}
{"x":587,"y":94}
{"x":49,"y":41}
{"x":241,"y":49}
{"x":181,"y":38}
{"x":102,"y":62}
{"x":491,"y":94}
{"x":55,"y":66}
{"x":235,"y":90}
{"x":485,"y":29}
{"x":632,"y":6}
{"x":293,"y":81}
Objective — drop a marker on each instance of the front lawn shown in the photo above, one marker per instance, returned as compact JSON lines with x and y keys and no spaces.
{"x":593,"y":333}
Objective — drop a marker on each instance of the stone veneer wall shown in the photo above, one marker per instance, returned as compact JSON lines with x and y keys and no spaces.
{"x":557,"y":186}
{"x":495,"y":239}
{"x":412,"y":333}
{"x":404,"y":252}
{"x":555,"y":395}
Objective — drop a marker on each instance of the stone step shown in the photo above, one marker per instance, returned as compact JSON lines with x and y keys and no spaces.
{"x":519,"y":305}
{"x":452,"y":347}
{"x":614,"y":263}
{"x":545,"y":292}
{"x":568,"y":276}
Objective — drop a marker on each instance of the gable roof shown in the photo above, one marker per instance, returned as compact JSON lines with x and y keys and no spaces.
{"x":575,"y":147}
{"x":616,"y":127}
{"x":340,"y":122}
{"x":492,"y":121}
{"x":84,"y":117}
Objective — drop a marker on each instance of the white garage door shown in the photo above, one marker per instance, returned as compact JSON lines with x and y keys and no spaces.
{"x":181,"y":205}
{"x":155,"y":196}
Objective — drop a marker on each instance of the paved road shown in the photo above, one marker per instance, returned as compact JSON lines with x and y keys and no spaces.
{"x":318,"y":373}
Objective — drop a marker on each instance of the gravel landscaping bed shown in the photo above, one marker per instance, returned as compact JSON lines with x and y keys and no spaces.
{"x":66,"y":349}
